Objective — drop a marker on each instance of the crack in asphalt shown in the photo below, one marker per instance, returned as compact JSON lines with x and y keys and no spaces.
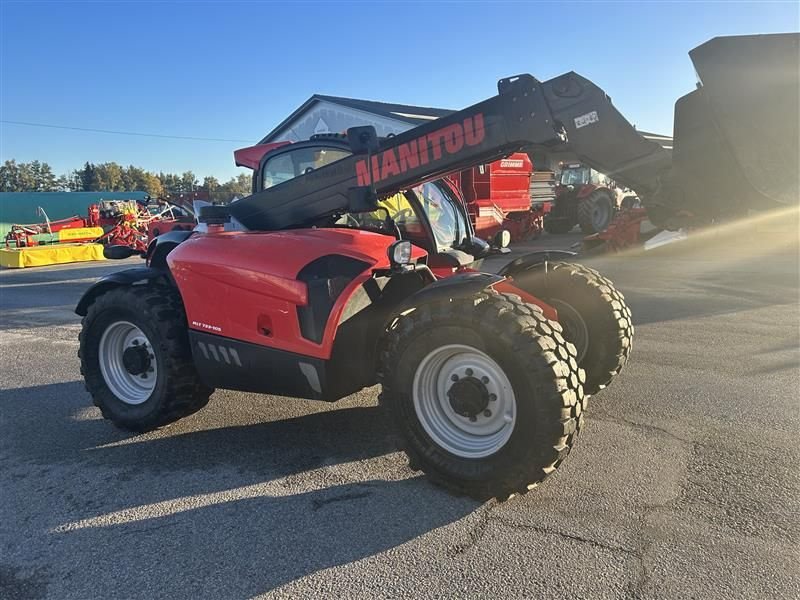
{"x":645,"y":426}
{"x":569,"y":536}
{"x":475,"y":535}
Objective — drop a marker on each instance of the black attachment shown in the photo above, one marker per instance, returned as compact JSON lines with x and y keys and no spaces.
{"x":118,"y":252}
{"x":363,"y":140}
{"x":215,"y":214}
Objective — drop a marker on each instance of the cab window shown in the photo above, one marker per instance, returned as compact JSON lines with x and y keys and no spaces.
{"x":292,"y":163}
{"x":449,"y":226}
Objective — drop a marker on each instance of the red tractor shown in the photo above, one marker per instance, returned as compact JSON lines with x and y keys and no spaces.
{"x":359,"y":266}
{"x":584,"y":197}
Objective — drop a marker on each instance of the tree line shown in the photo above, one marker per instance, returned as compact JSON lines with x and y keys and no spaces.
{"x":37,"y":176}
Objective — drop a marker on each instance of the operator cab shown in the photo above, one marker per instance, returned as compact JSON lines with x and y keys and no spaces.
{"x":430,"y":215}
{"x":578,"y":174}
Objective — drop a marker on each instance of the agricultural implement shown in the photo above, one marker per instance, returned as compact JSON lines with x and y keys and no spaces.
{"x":108,"y":223}
{"x":498,"y":197}
{"x":354,"y":263}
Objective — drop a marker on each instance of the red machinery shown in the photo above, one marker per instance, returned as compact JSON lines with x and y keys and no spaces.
{"x":110,"y":222}
{"x":72,"y":229}
{"x":360,"y":265}
{"x":498,"y":197}
{"x":584,"y":197}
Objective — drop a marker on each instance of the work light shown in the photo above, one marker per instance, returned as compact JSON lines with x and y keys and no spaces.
{"x":400,"y":253}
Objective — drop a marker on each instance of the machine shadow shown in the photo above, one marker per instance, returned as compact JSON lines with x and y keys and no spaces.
{"x":158,"y":501}
{"x":192,"y":461}
{"x":285,"y":538}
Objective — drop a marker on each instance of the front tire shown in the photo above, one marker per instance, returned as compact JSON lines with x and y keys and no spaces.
{"x":485,"y":391}
{"x":135,"y":358}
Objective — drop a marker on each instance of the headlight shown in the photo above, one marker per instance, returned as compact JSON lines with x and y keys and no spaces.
{"x":400,"y":253}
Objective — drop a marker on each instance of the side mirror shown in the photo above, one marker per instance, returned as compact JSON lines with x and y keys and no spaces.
{"x":118,"y":252}
{"x":501,"y":239}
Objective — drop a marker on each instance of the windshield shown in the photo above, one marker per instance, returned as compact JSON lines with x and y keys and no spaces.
{"x":448,"y":224}
{"x":292,"y":163}
{"x":575,"y":176}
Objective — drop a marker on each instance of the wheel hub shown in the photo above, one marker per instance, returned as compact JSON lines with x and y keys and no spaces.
{"x":127,"y":362}
{"x":468,"y":397}
{"x":464,"y":401}
{"x":136,"y":359}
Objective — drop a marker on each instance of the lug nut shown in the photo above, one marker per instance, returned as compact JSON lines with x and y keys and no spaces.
{"x":468,"y":372}
{"x":454,"y":378}
{"x":484,"y":380}
{"x":493,"y":397}
{"x":143,"y":375}
{"x":135,"y":342}
{"x":487,"y":413}
{"x":473,"y":418}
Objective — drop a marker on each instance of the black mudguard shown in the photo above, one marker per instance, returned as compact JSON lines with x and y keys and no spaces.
{"x":160,"y":246}
{"x":136,"y":275}
{"x":457,"y":286}
{"x":534,"y":260}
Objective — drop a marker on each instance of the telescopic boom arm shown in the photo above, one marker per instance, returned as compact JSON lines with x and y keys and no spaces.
{"x":517,"y":117}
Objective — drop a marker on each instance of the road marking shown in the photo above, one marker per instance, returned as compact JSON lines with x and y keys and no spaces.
{"x":55,"y":281}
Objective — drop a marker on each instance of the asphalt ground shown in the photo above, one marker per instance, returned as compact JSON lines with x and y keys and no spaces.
{"x":684,"y":483}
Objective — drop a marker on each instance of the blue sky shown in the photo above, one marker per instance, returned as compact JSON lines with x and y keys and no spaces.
{"x":235,"y":69}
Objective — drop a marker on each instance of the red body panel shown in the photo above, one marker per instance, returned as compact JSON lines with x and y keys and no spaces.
{"x":253,"y":276}
{"x":251,"y":157}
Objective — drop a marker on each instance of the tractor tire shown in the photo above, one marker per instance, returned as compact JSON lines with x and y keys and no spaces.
{"x":596,"y":212}
{"x":558,"y":226}
{"x":486,"y":393}
{"x":593,"y":314}
{"x":136,"y":360}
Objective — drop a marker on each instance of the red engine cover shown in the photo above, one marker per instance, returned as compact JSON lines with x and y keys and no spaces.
{"x":244,"y":285}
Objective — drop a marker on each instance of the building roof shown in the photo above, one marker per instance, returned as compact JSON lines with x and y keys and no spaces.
{"x":414,"y":115}
{"x":407,"y":113}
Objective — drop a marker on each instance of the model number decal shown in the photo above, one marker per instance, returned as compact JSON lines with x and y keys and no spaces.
{"x":587,"y":119}
{"x":206,"y":326}
{"x":512,"y":163}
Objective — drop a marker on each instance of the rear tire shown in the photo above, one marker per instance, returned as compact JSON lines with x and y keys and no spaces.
{"x":593,"y":314}
{"x":505,"y":340}
{"x":596,"y":212}
{"x":136,"y":360}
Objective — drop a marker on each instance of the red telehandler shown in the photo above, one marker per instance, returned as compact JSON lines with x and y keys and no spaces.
{"x":358,"y":265}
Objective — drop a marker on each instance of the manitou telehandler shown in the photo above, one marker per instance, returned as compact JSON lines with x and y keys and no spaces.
{"x":354,"y":263}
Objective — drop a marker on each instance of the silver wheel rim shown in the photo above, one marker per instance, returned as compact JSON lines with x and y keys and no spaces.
{"x":130,"y":388}
{"x":463,"y":436}
{"x":575,"y":328}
